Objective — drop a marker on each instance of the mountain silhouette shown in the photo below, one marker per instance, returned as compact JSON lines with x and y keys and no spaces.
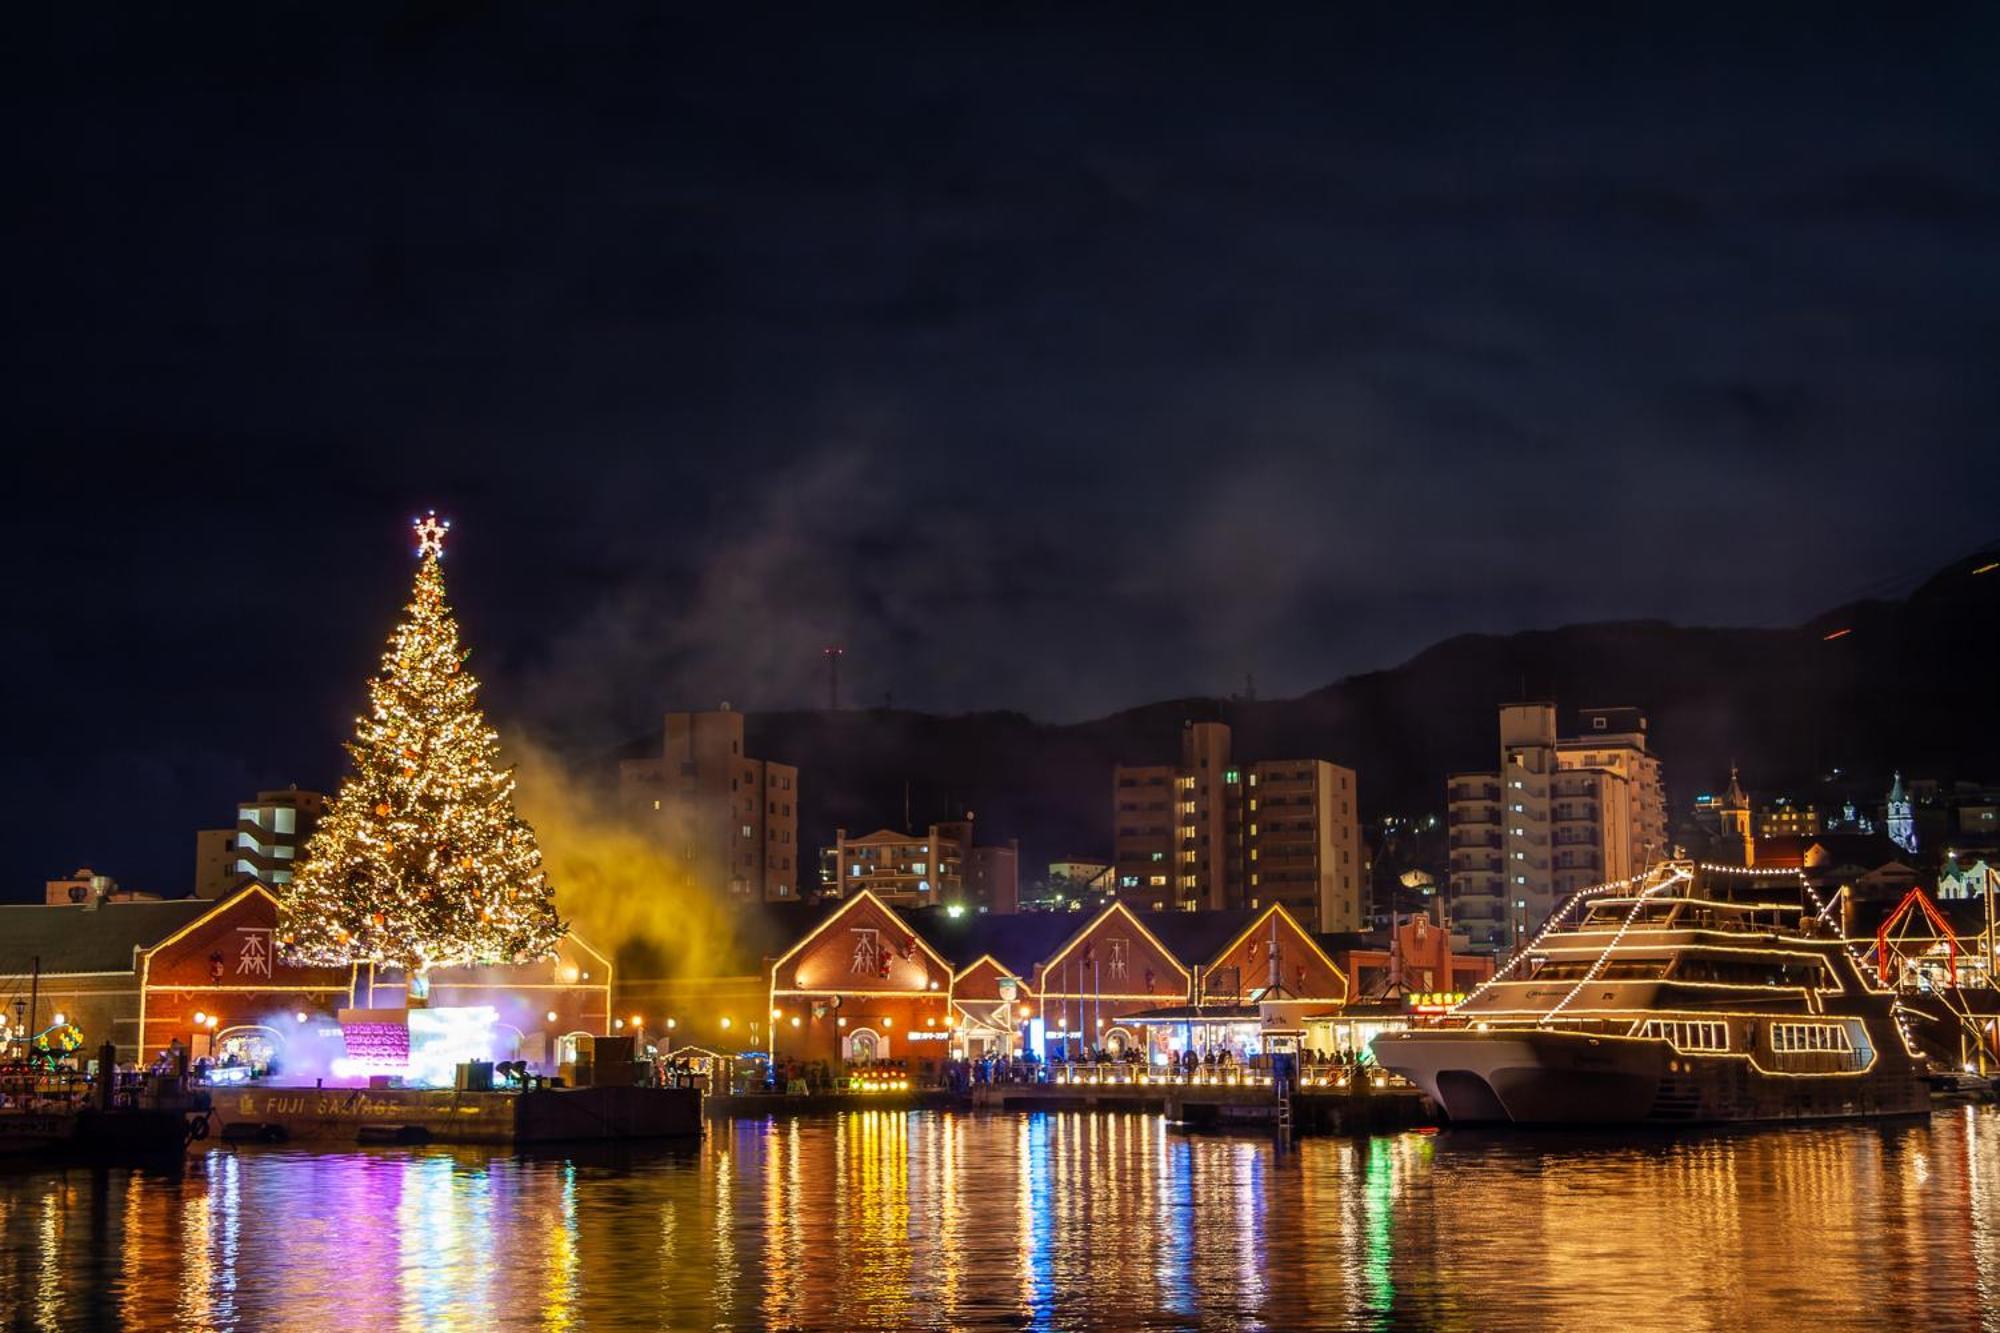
{"x":1867,"y":687}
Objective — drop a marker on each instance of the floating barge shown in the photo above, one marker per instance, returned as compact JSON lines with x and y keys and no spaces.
{"x":442,"y":1115}
{"x":1358,"y":1108}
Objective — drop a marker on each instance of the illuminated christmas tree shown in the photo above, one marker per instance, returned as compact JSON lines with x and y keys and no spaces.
{"x":422,"y":861}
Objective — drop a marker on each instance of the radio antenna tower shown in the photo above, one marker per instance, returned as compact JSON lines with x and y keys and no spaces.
{"x":833,"y":652}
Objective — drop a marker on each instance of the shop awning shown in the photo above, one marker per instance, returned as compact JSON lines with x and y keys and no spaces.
{"x":1197,"y":1013}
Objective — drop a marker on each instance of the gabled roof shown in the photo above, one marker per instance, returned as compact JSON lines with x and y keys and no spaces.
{"x":1197,"y":937}
{"x":1017,"y":942}
{"x":999,"y":968}
{"x":887,"y":835}
{"x":1864,"y":851}
{"x":1076,"y":937}
{"x":764,"y":930}
{"x":1334,"y":943}
{"x":252,"y":889}
{"x":847,"y":905}
{"x":1279,"y":909}
{"x":69,"y":938}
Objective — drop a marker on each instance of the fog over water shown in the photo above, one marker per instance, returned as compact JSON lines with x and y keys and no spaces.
{"x":1065,"y":1221}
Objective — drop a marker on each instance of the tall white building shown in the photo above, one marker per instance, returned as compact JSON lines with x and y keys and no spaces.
{"x":265,"y":845}
{"x":1560,"y":814}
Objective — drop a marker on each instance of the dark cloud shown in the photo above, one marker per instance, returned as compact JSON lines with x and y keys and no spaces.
{"x":1048,"y":360}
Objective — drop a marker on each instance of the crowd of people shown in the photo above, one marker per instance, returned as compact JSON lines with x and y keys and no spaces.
{"x":813,"y":1077}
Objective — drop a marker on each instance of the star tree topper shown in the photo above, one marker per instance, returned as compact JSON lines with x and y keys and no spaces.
{"x":430,"y":534}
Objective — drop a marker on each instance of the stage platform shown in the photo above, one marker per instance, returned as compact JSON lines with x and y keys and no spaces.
{"x":440,"y":1115}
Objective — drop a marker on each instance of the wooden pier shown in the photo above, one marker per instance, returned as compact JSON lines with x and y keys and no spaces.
{"x":1355,"y":1101}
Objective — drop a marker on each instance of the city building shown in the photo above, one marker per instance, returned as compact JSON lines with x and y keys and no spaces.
{"x":141,"y":975}
{"x":85,"y":885}
{"x":1900,"y":818}
{"x":1737,"y":845}
{"x":1869,"y":866}
{"x":940,"y":866}
{"x":993,"y":878}
{"x":1786,"y":818}
{"x":733,"y":820}
{"x":1560,"y":814}
{"x":1851,"y":819}
{"x":1965,"y":876}
{"x":862,"y":986}
{"x":1614,"y":740}
{"x":1978,"y":818}
{"x":269,"y":837}
{"x":1704,"y":818}
{"x":1078,"y":880}
{"x":1414,"y":958}
{"x":1213,"y":832}
{"x":871,"y":982}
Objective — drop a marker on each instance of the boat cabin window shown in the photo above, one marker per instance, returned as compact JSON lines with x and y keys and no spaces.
{"x":1690,"y":914}
{"x":1810,"y":1037}
{"x":1688,"y":1034}
{"x":1750,"y":970}
{"x":1616,"y":912}
{"x":1618,"y":969}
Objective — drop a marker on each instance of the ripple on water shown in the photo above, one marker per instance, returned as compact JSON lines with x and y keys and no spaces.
{"x":1060,"y":1221}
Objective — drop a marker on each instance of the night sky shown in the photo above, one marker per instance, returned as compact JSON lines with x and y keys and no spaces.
{"x":1049,"y":360}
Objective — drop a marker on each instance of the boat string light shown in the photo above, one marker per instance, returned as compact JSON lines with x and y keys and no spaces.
{"x":1576,"y":900}
{"x":1548,"y":928}
{"x":1821,"y":908}
{"x":1597,"y":964}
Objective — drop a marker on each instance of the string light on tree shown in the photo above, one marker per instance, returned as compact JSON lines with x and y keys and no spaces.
{"x":422,"y":860}
{"x":431,"y":533}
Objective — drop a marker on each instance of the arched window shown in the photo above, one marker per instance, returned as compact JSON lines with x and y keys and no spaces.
{"x":250,"y":1044}
{"x":1117,"y":1041}
{"x":566,"y":1047}
{"x":864,"y":1046}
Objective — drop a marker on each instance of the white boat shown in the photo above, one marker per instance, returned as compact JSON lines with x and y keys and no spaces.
{"x":1665,"y":1001}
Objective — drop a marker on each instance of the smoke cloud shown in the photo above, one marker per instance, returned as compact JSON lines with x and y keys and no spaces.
{"x":618,"y":890}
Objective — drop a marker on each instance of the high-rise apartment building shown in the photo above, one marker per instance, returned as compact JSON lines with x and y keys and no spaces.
{"x":269,"y":837}
{"x":993,"y":878}
{"x":1614,"y":740}
{"x":1212,"y":832}
{"x":1561,"y":814}
{"x":731,"y":819}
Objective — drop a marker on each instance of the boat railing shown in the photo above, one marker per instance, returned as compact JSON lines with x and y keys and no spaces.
{"x":40,"y":1086}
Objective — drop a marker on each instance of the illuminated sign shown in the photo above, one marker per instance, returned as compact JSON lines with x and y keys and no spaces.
{"x":1434,"y":1002}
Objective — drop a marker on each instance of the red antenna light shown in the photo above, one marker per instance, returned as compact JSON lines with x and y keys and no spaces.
{"x":832,"y":653}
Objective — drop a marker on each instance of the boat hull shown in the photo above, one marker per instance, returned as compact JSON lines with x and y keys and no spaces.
{"x":1539,"y":1077}
{"x":35,"y":1134}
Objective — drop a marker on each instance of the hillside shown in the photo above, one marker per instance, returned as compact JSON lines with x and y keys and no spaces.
{"x":1911,"y":686}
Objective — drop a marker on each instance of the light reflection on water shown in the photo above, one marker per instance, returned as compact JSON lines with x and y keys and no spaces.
{"x":890,"y":1220}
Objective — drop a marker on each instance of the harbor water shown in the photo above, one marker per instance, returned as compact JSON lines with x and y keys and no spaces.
{"x":1057,"y":1221}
